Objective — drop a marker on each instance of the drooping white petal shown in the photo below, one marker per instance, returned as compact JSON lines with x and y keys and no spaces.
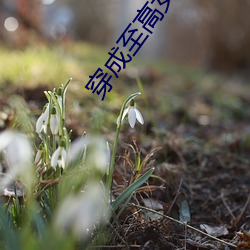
{"x":18,"y":156}
{"x":132,"y":117}
{"x":65,"y":216}
{"x":101,"y":155}
{"x":64,"y":154}
{"x":19,"y":151}
{"x":61,"y":163}
{"x":55,"y":156}
{"x":139,"y":116}
{"x":46,"y":113}
{"x":77,"y":148}
{"x":79,"y":214}
{"x":123,"y":116}
{"x":39,"y":123}
{"x":125,"y":112}
{"x":59,"y":99}
{"x":59,"y":158}
{"x":98,"y":152}
{"x":117,"y":120}
{"x":63,"y":159}
{"x":5,"y":139}
{"x":44,"y":127}
{"x":54,"y":124}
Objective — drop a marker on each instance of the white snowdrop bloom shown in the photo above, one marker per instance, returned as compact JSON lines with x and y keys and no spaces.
{"x":80,"y":214}
{"x":54,"y":121}
{"x":59,"y":96}
{"x":133,"y":114}
{"x":17,"y":152}
{"x":42,"y":122}
{"x":59,"y":157}
{"x":77,"y":149}
{"x":98,"y":152}
{"x":59,"y":99}
{"x":5,"y":139}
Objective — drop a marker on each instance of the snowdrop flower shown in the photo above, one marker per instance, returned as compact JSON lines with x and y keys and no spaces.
{"x":54,"y":121}
{"x":98,"y":152}
{"x":77,"y":150}
{"x":133,"y":114}
{"x":39,"y":154}
{"x":17,"y":152}
{"x":42,"y":122}
{"x":59,"y":97}
{"x":79,"y":214}
{"x":59,"y":157}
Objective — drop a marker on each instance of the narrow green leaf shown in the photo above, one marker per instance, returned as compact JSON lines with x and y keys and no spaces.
{"x":39,"y":222}
{"x":128,"y":191}
{"x":65,"y":87}
{"x":122,"y":209}
{"x":10,"y":236}
{"x":138,"y":163}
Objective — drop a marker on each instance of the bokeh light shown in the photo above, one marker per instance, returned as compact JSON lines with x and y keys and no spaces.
{"x":11,"y":24}
{"x":48,"y":2}
{"x":58,"y":31}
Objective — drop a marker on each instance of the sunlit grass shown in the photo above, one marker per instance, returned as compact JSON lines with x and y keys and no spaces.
{"x":43,"y":64}
{"x":179,"y":85}
{"x":38,"y":65}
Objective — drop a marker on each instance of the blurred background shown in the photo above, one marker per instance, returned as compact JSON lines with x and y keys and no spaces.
{"x":198,"y":57}
{"x":213,"y":34}
{"x":195,"y":84}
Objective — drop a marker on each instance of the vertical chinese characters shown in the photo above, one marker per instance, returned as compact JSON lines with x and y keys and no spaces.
{"x":132,"y":39}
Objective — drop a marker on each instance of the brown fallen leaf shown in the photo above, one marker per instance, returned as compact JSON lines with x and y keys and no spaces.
{"x":245,"y":236}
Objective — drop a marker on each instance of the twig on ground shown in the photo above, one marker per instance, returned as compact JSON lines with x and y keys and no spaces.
{"x":173,"y":202}
{"x":184,"y":224}
{"x":227,"y":207}
{"x":239,"y":217}
{"x":116,"y":246}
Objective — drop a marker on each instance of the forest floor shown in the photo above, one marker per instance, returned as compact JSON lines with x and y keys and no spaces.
{"x":196,"y":135}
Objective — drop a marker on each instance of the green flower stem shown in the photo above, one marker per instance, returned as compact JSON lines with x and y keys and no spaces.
{"x":47,"y":137}
{"x":112,"y":164}
{"x":66,"y":137}
{"x":54,"y":142}
{"x":65,"y":87}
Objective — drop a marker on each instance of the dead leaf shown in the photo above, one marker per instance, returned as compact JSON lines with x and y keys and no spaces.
{"x":155,"y":205}
{"x":245,"y":236}
{"x":215,"y":231}
{"x":152,"y":204}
